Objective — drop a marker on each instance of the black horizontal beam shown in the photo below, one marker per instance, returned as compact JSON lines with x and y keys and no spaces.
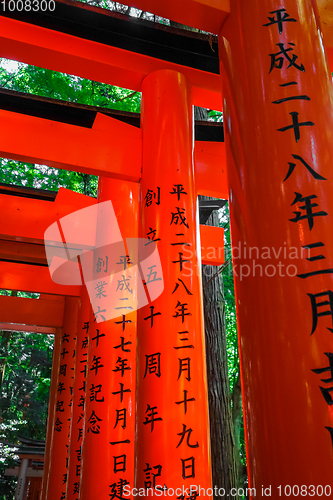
{"x":84,"y":116}
{"x":118,"y":30}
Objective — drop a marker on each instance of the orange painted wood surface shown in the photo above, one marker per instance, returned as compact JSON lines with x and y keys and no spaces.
{"x":212,"y":245}
{"x":26,"y":219}
{"x":59,"y":447}
{"x":108,"y":445}
{"x":276,"y":167}
{"x":172,"y":442}
{"x":36,"y":279}
{"x":69,"y":54}
{"x":102,"y":150}
{"x":79,"y":398}
{"x":39,"y":312}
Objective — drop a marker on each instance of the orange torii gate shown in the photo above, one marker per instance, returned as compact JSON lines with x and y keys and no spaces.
{"x":277,"y":96}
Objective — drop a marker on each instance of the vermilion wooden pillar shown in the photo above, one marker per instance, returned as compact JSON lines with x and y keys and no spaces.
{"x":108,"y":444}
{"x":172,"y":420}
{"x":51,"y":410}
{"x":56,"y":486}
{"x":278,"y":121}
{"x":79,"y":391}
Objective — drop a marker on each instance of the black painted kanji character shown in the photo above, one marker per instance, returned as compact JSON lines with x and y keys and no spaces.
{"x":152,"y":195}
{"x":151,"y":277}
{"x":117,"y":490}
{"x":150,"y":418}
{"x":180,"y":261}
{"x":63,"y":370}
{"x":182,"y":436}
{"x":81,"y":402}
{"x":182,"y":282}
{"x":122,"y":366}
{"x":292,"y":166}
{"x":58,"y":425}
{"x":119,"y":463}
{"x":180,"y":243}
{"x":327,"y":390}
{"x":125,"y":260}
{"x":122,"y":345}
{"x":150,"y":482}
{"x":93,"y":420}
{"x":79,"y":454}
{"x":96,"y":364}
{"x":124,"y":284}
{"x":281,"y":17}
{"x":277,"y":62}
{"x":121,"y":417}
{"x":124,"y":441}
{"x":302,"y":97}
{"x":60,"y":406}
{"x":185,"y":366}
{"x":100,"y":289}
{"x":308,"y":208}
{"x":98,"y":336}
{"x":318,"y":244}
{"x":121,"y":392}
{"x":296,"y":125}
{"x":313,"y":259}
{"x":81,"y":417}
{"x":185,"y":401}
{"x":153,"y":364}
{"x":78,"y":469}
{"x":181,"y":313}
{"x":315,"y":306}
{"x":76,"y":488}
{"x":151,"y":235}
{"x":102,"y":263}
{"x":188,"y":463}
{"x":179,"y":217}
{"x":63,"y":353}
{"x":65,"y":338}
{"x":193,"y":494}
{"x":99,"y":311}
{"x":94,"y":391}
{"x":123,"y":322}
{"x":330,"y":430}
{"x":178,"y":189}
{"x":84,"y":363}
{"x":61,"y":387}
{"x":86,"y":327}
{"x":80,"y":434}
{"x":184,"y":339}
{"x":151,"y":317}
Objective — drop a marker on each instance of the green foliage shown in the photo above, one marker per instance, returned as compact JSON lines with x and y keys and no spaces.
{"x":26,"y":383}
{"x":53,"y":84}
{"x":24,"y":396}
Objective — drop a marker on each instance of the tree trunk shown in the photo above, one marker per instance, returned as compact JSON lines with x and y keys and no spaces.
{"x":219,"y":398}
{"x":3,"y":360}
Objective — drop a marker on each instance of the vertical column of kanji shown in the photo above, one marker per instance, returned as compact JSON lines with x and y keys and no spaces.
{"x":278,"y":118}
{"x":172,"y":421}
{"x":108,"y":446}
{"x":77,"y":418}
{"x":51,"y":411}
{"x":56,"y":487}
